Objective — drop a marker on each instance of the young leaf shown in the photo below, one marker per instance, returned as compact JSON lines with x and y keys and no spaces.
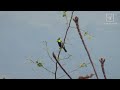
{"x":39,"y":64}
{"x":89,"y":37}
{"x":86,"y":33}
{"x":64,"y":13}
{"x":83,"y":65}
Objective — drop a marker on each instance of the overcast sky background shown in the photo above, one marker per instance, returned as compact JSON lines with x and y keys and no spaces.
{"x":22,"y":33}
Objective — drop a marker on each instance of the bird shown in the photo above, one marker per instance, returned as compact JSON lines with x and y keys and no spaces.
{"x":60,"y":43}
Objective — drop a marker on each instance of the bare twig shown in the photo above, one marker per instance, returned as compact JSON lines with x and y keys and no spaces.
{"x":70,"y":72}
{"x":81,"y":37}
{"x":61,"y":66}
{"x":102,"y":61}
{"x":56,"y":67}
{"x":43,"y":67}
{"x":48,"y":70}
{"x":66,"y":57}
{"x":64,"y":41}
{"x":48,"y":51}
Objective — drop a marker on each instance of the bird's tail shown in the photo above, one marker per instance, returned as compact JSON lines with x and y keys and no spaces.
{"x":64,"y":49}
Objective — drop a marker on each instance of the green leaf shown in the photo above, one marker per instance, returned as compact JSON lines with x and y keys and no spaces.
{"x":83,"y":65}
{"x":86,"y":33}
{"x":64,"y":13}
{"x":39,"y":64}
{"x":90,"y":37}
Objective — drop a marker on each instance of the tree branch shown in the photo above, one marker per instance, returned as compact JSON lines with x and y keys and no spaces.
{"x":64,"y":41}
{"x":70,"y":72}
{"x":48,"y":52}
{"x":81,"y":37}
{"x":61,"y":66}
{"x":102,"y":61}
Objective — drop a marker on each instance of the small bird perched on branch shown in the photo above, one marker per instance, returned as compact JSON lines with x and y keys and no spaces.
{"x":60,"y":43}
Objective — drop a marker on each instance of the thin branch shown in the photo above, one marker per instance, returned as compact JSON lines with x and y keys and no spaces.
{"x":68,"y":28}
{"x":48,"y":52}
{"x":102,"y":61}
{"x":84,"y":32}
{"x":56,"y":68}
{"x":70,"y":72}
{"x":43,"y":67}
{"x":48,"y":70}
{"x":66,"y":57}
{"x":64,"y":41}
{"x":61,"y":66}
{"x":81,"y":37}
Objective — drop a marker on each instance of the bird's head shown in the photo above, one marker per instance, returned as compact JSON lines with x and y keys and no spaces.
{"x":58,"y":38}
